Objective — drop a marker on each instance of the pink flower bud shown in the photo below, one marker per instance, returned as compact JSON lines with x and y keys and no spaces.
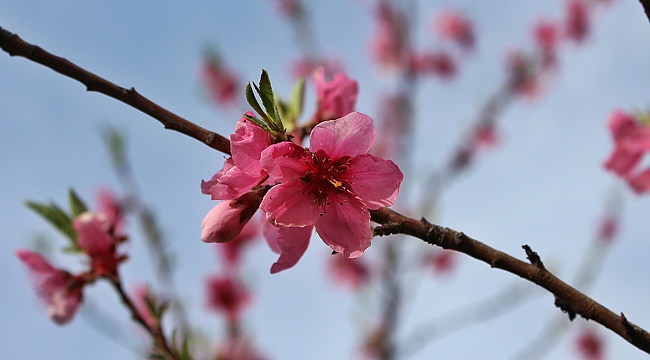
{"x":227,"y":295}
{"x":336,"y":98}
{"x":227,"y":219}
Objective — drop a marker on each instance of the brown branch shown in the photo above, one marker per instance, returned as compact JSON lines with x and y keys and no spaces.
{"x":15,"y":46}
{"x":391,"y":221}
{"x":646,"y":7}
{"x":566,"y":296}
{"x":156,"y":332}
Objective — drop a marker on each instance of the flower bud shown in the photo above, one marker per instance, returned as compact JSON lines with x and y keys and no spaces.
{"x":227,"y":219}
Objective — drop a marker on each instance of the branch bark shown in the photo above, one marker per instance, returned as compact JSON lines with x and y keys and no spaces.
{"x":567,"y":298}
{"x":646,"y":7}
{"x":15,"y":46}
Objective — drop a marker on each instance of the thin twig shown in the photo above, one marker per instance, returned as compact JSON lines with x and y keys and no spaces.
{"x":15,"y":46}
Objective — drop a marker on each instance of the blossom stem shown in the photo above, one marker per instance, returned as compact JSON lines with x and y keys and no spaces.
{"x":156,"y":332}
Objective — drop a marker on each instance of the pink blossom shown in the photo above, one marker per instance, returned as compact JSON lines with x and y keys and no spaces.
{"x":290,"y":242}
{"x":590,"y":346}
{"x":111,"y":207}
{"x":227,"y":295}
{"x":227,"y":219}
{"x":337,"y":97}
{"x":632,"y":141}
{"x":546,"y":35}
{"x":349,"y":273}
{"x":220,"y":82}
{"x":96,"y":240}
{"x":243,"y":171}
{"x":430,"y":63}
{"x":305,"y":66}
{"x":293,"y":9}
{"x":332,"y":185}
{"x":608,"y":228}
{"x":388,"y":44}
{"x":577,"y":23}
{"x":455,"y":26}
{"x":58,"y":288}
{"x":442,"y":262}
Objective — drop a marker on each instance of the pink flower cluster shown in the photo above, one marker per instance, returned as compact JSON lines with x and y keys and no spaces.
{"x":632,"y":141}
{"x":98,"y":239}
{"x":220,"y":82}
{"x":329,"y":186}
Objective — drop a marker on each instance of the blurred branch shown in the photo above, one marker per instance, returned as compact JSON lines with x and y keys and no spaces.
{"x":570,"y":299}
{"x":567,"y":298}
{"x":15,"y":46}
{"x":501,"y":303}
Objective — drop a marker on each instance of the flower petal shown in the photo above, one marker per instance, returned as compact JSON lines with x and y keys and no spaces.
{"x":293,"y":242}
{"x":285,"y":205}
{"x":285,"y":161}
{"x":623,"y":162}
{"x":233,"y":184}
{"x":36,"y":262}
{"x":640,"y":183}
{"x":345,"y":226}
{"x":206,"y":186}
{"x":374,"y":180}
{"x":350,"y":135}
{"x":246,"y":145}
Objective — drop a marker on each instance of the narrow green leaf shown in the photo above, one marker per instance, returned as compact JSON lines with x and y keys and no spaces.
{"x":258,"y":122}
{"x":297,"y":98}
{"x":252,"y":101}
{"x":268,"y":100}
{"x":77,"y":206}
{"x":57,"y":217}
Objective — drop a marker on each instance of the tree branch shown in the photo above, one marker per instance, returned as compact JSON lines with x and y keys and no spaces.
{"x":568,"y":298}
{"x":15,"y":46}
{"x":646,"y":7}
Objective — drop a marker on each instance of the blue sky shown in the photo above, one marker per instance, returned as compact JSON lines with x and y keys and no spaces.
{"x":543,"y":186}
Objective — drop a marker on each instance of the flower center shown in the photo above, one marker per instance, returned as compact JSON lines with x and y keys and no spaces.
{"x":324,"y":177}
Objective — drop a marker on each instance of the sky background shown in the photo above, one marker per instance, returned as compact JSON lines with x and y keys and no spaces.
{"x":544,"y":184}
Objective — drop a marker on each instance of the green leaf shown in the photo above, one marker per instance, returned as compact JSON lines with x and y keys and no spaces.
{"x":297,"y":98}
{"x":268,"y":100}
{"x":252,"y":101}
{"x":77,"y":206}
{"x":57,"y":217}
{"x":258,"y":122}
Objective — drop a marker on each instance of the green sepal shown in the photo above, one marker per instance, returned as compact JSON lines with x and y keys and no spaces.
{"x":59,"y":219}
{"x":252,"y":101}
{"x":77,"y":206}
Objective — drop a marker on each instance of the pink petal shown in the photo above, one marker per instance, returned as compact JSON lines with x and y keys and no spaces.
{"x":93,"y":236}
{"x":270,"y":233}
{"x":622,"y":162}
{"x":345,"y":226}
{"x":641,"y":182}
{"x":374,"y":180}
{"x":293,"y":242}
{"x":206,"y":186}
{"x":350,"y":135}
{"x":285,"y":161}
{"x":36,"y":262}
{"x":285,"y":205}
{"x":246,"y":145}
{"x":628,"y":133}
{"x":63,"y":306}
{"x":233,"y":184}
